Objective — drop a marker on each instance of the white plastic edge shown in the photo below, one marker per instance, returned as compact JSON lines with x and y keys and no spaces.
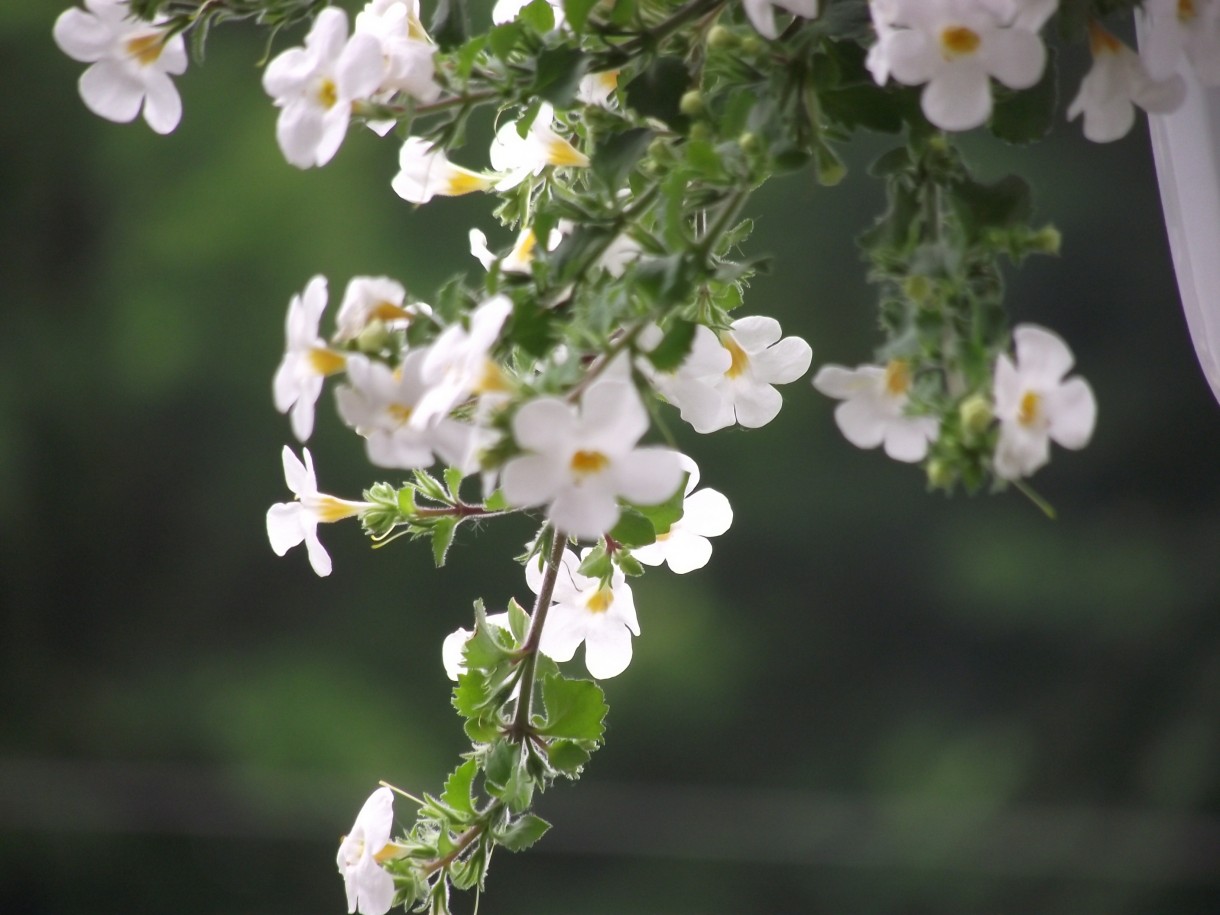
{"x":1186,"y":148}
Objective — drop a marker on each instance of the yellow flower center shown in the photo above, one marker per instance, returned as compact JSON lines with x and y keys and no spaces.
{"x":1186,"y":10}
{"x":587,"y":462}
{"x":329,"y":509}
{"x":146,"y":48}
{"x":739,"y":360}
{"x":600,"y":602}
{"x":328,"y":94}
{"x":560,"y":152}
{"x":958,"y":41}
{"x":1030,"y":409}
{"x":897,"y":377}
{"x":388,"y":311}
{"x":492,"y":379}
{"x":389,"y":853}
{"x":460,"y":181}
{"x":400,"y":412}
{"x":1101,"y":41}
{"x":524,"y":251}
{"x":326,"y":362}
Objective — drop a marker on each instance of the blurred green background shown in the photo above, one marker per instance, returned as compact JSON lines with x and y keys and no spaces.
{"x":873,"y":700}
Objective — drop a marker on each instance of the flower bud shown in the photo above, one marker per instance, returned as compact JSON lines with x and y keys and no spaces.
{"x":941,"y":474}
{"x":976,"y":414}
{"x":748,"y":142}
{"x":721,"y":38}
{"x":1046,"y":240}
{"x":753,"y":45}
{"x":691,"y":104}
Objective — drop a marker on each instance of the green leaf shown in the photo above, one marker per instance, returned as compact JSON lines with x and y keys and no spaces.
{"x":657,"y":92}
{"x":453,"y":481}
{"x":443,"y":530}
{"x":499,"y":763}
{"x":559,"y":71}
{"x":518,"y":620}
{"x":532,"y":328}
{"x":865,"y":106}
{"x":457,"y":793}
{"x":615,"y":158}
{"x":1028,"y":115}
{"x":522,"y":832}
{"x":674,"y":346}
{"x":664,"y":514}
{"x":483,"y":650}
{"x":596,"y":564}
{"x":503,"y":38}
{"x":577,"y":12}
{"x":629,"y":564}
{"x":624,"y":11}
{"x":632,"y":530}
{"x":568,"y":756}
{"x":890,"y":163}
{"x":481,"y":731}
{"x":472,"y":694}
{"x":575,"y":709}
{"x":983,"y":207}
{"x":429,"y":486}
{"x":538,"y":15}
{"x":496,"y":502}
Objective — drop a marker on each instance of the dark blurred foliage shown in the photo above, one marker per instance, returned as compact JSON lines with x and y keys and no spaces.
{"x":873,"y":700}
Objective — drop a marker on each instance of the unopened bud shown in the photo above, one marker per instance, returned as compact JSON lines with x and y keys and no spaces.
{"x":918,"y":288}
{"x":940,"y":474}
{"x":700,"y":131}
{"x":753,"y":45}
{"x":1046,"y":240}
{"x":748,"y":142}
{"x":691,"y":104}
{"x":721,"y":38}
{"x":976,"y":414}
{"x":373,"y":338}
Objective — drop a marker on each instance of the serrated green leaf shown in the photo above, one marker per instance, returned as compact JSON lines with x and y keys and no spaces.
{"x":481,"y":731}
{"x":496,"y":502}
{"x":567,"y":756}
{"x":457,"y":793}
{"x":453,"y":481}
{"x":538,"y":15}
{"x":522,"y":832}
{"x":518,"y":620}
{"x":443,"y":530}
{"x":632,"y":530}
{"x":575,"y":709}
{"x":483,"y":650}
{"x":499,"y":763}
{"x":558,"y":72}
{"x":577,"y":13}
{"x":532,"y":328}
{"x":472,"y":694}
{"x":596,"y":563}
{"x":615,"y":158}
{"x":674,"y":346}
{"x":629,"y":564}
{"x":429,"y":486}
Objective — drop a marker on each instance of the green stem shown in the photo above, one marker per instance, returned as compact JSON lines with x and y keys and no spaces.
{"x":651,"y":37}
{"x":724,"y":219}
{"x":529,"y":648}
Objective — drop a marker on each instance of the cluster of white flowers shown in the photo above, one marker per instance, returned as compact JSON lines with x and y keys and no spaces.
{"x":1030,"y":399}
{"x":954,"y":48}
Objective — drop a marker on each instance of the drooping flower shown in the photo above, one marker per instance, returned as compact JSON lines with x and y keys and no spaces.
{"x":953,"y":48}
{"x":517,"y":260}
{"x":370,"y":888}
{"x":458,"y":364}
{"x":710,"y":397}
{"x":314,"y":87}
{"x":874,"y":408}
{"x":131,"y":63}
{"x":1035,"y":405}
{"x":425,"y":172}
{"x":517,"y":157}
{"x":374,"y":298}
{"x":583,"y":609}
{"x":1115,"y":84}
{"x":685,"y":546}
{"x":761,"y":13}
{"x":307,"y":359}
{"x":290,"y":523}
{"x":378,"y":403}
{"x":579,"y":462}
{"x":1175,"y":27}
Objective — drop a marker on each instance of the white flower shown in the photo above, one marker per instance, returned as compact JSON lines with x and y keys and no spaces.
{"x":132,"y":61}
{"x":424,"y":172}
{"x":290,"y":523}
{"x":874,"y":408}
{"x":517,"y":157}
{"x":711,"y":397}
{"x":1177,"y":26}
{"x":314,"y":87}
{"x":579,"y":462}
{"x":762,"y":13}
{"x":307,"y":360}
{"x":955,"y":47}
{"x":1035,"y":405}
{"x":598,"y":88}
{"x":585,"y":610}
{"x":517,"y":260}
{"x":1115,"y":84}
{"x":370,"y":888}
{"x":685,"y":547}
{"x":406,"y":49}
{"x":459,"y":365}
{"x":378,"y":404}
{"x":455,"y":644}
{"x":374,"y":298}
